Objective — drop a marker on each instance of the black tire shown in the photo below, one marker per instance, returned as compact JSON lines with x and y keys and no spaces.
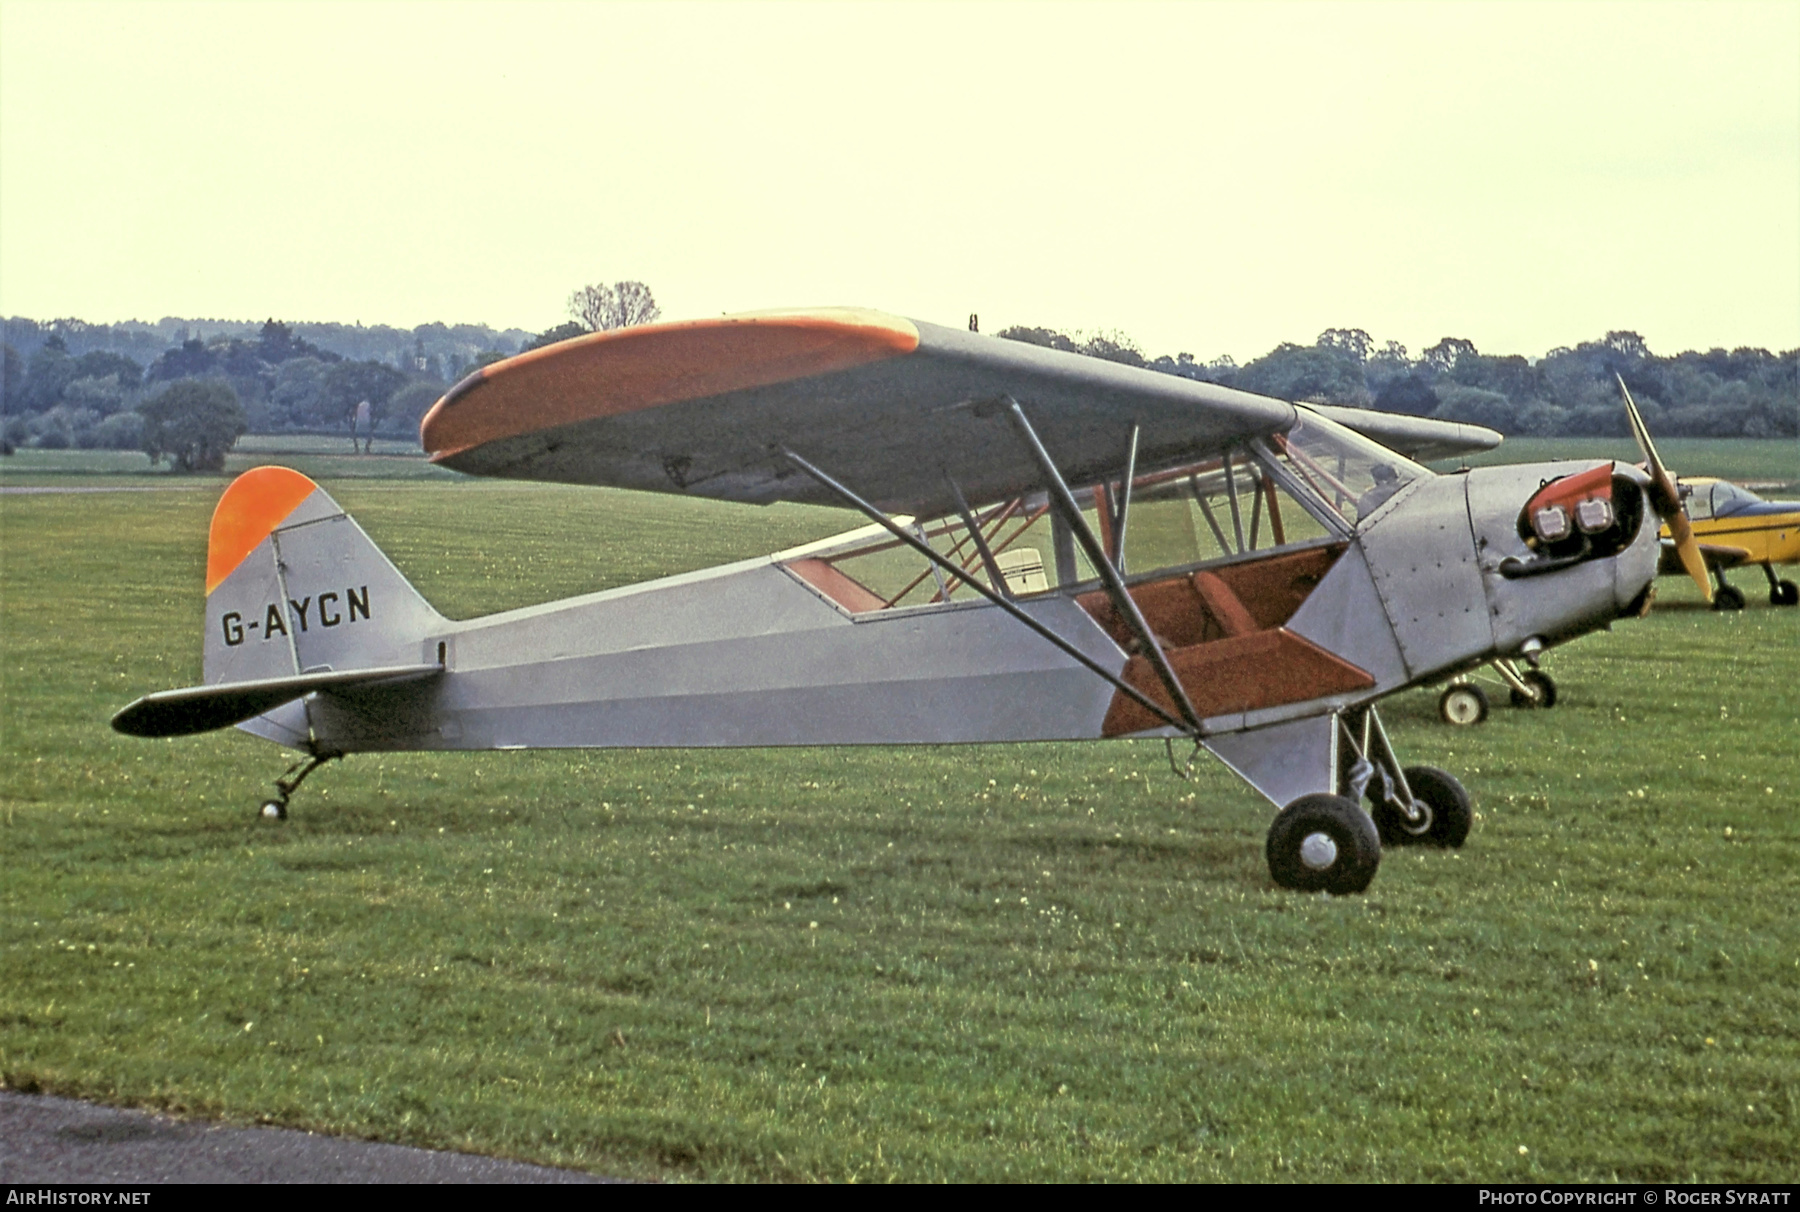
{"x":1396,"y":830}
{"x":1540,"y":681}
{"x":1323,"y":843}
{"x":1464,"y":705}
{"x":1729,"y":597}
{"x":273,"y":810}
{"x":1451,"y":812}
{"x":1786,"y":593}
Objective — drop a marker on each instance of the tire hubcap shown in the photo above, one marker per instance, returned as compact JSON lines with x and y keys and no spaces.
{"x":1318,"y":851}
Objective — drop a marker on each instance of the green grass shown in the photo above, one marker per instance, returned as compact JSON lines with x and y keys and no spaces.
{"x":1755,"y":460}
{"x":319,"y":457}
{"x":992,"y":962}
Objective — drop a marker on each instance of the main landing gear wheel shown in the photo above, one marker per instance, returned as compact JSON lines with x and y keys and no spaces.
{"x":1784,"y":593}
{"x":1396,"y":830}
{"x":1323,"y":843}
{"x":1464,"y":704}
{"x":1451,"y":812}
{"x":1539,"y":681}
{"x":1729,"y":597}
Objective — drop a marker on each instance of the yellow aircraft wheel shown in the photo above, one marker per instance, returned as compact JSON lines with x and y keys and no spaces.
{"x":1539,"y":681}
{"x":1464,"y":704}
{"x":1729,"y":597}
{"x":1784,"y":594}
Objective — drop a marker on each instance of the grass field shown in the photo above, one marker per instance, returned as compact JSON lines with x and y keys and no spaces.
{"x":1746,"y":459}
{"x":319,"y":457}
{"x":994,"y":962}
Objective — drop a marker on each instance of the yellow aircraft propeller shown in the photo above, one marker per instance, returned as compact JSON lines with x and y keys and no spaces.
{"x":1667,"y":499}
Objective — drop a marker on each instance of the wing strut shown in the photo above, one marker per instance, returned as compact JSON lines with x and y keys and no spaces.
{"x":1124,"y":509}
{"x":1109,"y":576}
{"x":1012,"y":608}
{"x":981,"y":544}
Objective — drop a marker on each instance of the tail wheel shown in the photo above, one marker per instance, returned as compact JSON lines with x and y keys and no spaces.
{"x":273,"y":810}
{"x":1323,"y":843}
{"x":1464,"y":705}
{"x":1539,"y":681}
{"x":1451,"y":812}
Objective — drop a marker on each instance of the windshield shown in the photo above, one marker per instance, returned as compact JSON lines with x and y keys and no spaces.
{"x":1352,"y":474}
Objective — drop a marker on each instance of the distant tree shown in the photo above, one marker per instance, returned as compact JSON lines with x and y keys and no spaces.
{"x":192,"y":423}
{"x":1409,"y":394}
{"x":1048,"y":338}
{"x":487,"y":357}
{"x":1442,"y":357}
{"x":12,"y":380}
{"x":550,"y":336}
{"x":408,"y":406}
{"x":600,"y":308}
{"x":1476,"y":406}
{"x":1306,"y":372}
{"x":348,"y":384}
{"x":1353,"y":341}
{"x":191,"y":360}
{"x":276,"y":343}
{"x":1113,"y":347}
{"x":1386,"y":365}
{"x":297,"y":397}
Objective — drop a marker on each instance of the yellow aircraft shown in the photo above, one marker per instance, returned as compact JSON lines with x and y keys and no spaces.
{"x":1735,"y":526}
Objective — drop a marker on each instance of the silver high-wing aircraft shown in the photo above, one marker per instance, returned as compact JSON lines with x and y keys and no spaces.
{"x":1060,"y":548}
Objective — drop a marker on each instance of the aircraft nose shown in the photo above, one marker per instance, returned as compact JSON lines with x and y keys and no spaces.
{"x":1564,"y":547}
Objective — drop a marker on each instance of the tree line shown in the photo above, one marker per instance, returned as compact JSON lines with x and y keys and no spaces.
{"x":185,"y":391}
{"x":1744,"y":392}
{"x":67,"y":383}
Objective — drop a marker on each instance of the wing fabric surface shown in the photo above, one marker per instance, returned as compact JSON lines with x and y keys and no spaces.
{"x":889,"y":405}
{"x":1421,"y":439}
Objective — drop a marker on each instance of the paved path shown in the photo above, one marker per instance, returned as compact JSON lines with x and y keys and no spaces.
{"x":59,"y":1140}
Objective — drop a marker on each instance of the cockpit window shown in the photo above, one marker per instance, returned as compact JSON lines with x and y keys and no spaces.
{"x":1352,"y":474}
{"x":1728,"y":499}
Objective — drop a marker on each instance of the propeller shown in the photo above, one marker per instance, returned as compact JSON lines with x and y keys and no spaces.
{"x":1667,"y":499}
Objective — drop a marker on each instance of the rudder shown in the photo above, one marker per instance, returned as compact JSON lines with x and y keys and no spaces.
{"x":294,"y":585}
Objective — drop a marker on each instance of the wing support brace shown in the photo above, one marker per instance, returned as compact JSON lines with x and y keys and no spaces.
{"x":1064,"y":501}
{"x":1371,"y":758}
{"x":1012,"y":608}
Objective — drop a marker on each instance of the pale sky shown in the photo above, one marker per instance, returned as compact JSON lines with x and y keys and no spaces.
{"x":1211,"y":178}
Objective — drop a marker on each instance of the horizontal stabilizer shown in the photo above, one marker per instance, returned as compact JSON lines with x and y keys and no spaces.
{"x":203,"y":708}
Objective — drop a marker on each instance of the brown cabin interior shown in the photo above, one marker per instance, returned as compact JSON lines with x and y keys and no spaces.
{"x":1222,"y":630}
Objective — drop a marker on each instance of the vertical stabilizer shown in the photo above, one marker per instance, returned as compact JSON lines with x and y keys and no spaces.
{"x":293,"y":585}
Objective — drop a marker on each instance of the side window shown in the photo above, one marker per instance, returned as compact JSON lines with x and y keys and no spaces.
{"x":1700,"y":502}
{"x":1211,"y":510}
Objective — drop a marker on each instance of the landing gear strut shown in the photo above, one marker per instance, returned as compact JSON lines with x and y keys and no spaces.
{"x":1327,"y":842}
{"x":1781,"y":593}
{"x":276,"y":808}
{"x":1728,"y":596}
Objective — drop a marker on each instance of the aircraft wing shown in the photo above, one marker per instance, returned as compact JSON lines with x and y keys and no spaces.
{"x":203,"y":708}
{"x":889,"y":405}
{"x":1421,"y":439}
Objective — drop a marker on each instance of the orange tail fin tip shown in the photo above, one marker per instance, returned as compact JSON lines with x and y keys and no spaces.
{"x":253,"y":506}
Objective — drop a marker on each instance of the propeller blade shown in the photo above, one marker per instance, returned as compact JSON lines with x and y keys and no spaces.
{"x":1667,"y":498}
